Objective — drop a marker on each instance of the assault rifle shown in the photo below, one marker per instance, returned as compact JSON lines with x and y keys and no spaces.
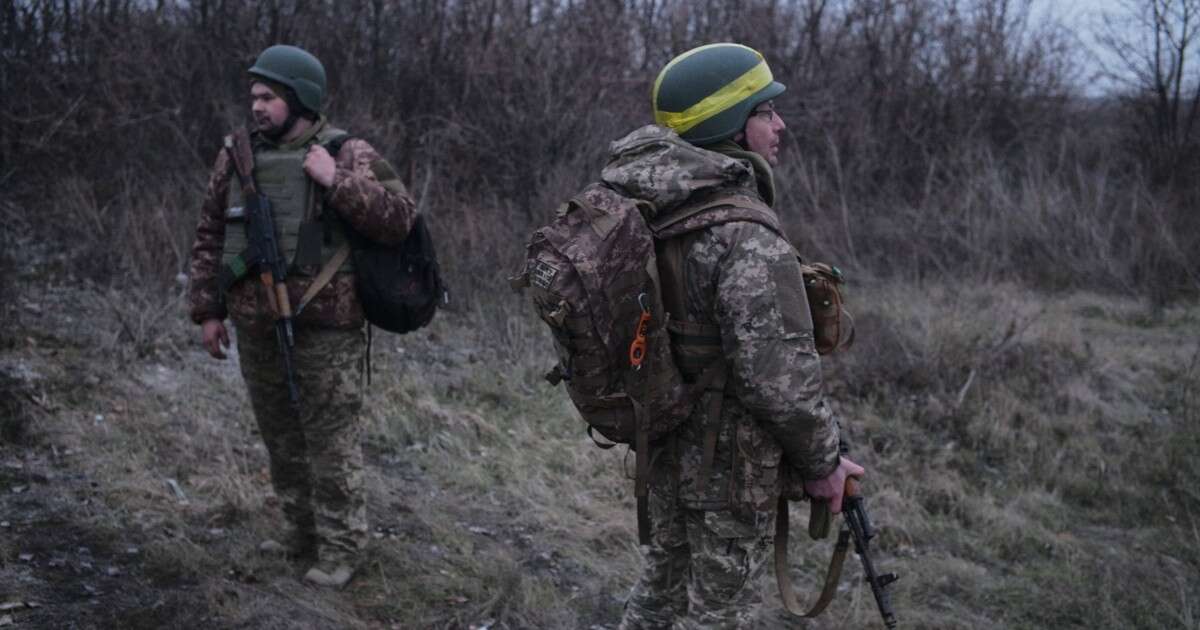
{"x":857,"y":527}
{"x":263,"y":252}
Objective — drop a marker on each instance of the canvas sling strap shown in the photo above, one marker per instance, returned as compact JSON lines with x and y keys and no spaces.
{"x":328,"y":270}
{"x":241,"y":161}
{"x":784,"y":578}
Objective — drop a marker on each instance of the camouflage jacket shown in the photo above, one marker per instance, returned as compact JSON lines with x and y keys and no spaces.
{"x":366,"y":193}
{"x":743,"y":278}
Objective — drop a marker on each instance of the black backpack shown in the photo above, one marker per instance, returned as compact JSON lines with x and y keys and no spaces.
{"x":399,"y":286}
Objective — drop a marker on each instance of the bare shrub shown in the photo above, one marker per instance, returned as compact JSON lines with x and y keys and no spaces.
{"x":929,"y":138}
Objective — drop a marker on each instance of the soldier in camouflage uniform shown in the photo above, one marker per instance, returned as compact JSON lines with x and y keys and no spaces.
{"x":315,"y":448}
{"x":711,"y":534}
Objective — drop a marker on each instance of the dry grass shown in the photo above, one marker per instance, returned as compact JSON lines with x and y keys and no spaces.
{"x":1054,"y":488}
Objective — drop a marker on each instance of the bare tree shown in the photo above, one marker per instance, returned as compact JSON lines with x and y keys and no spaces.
{"x":1155,"y":41}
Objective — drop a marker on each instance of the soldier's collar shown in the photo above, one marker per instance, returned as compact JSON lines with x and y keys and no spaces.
{"x":298,"y":143}
{"x":308,"y":136}
{"x":762,"y":170}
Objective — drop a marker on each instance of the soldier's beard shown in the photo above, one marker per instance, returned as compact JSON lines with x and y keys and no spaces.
{"x":271,"y":130}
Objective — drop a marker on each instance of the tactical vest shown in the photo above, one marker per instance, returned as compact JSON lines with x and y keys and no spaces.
{"x":279,"y":174}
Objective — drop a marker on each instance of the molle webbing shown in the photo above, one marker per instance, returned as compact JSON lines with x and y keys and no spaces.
{"x":279,"y":174}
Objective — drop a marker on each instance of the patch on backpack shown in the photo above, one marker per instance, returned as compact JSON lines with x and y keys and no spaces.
{"x":542,"y":274}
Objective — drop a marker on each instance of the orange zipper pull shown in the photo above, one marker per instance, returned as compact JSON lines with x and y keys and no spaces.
{"x":637,"y":349}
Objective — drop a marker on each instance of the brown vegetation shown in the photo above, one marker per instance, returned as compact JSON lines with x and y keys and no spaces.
{"x":928,"y":138}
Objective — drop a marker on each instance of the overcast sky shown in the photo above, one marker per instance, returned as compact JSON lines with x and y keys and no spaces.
{"x":1086,"y":19}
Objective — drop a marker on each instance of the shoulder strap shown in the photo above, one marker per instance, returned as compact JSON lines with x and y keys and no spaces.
{"x":329,"y":269}
{"x":324,"y":276}
{"x":723,"y":208}
{"x":241,"y":157}
{"x":334,"y":145}
{"x":686,"y":222}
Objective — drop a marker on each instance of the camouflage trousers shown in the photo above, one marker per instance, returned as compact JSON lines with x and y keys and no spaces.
{"x":315,"y":452}
{"x":701,"y":569}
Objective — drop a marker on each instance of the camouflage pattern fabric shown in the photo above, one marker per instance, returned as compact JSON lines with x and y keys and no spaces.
{"x":743,"y":279}
{"x":366,"y":193}
{"x":316,"y":453}
{"x":702,"y":569}
{"x":654,"y":164}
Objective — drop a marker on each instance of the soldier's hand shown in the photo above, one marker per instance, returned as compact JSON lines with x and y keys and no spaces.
{"x":320,"y":165}
{"x":215,"y":337}
{"x":833,"y":487}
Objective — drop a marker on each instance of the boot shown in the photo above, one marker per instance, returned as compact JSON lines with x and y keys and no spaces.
{"x":330,"y":574}
{"x":297,"y":545}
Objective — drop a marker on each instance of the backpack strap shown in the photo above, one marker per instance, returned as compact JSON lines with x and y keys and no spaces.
{"x":724,"y":207}
{"x":334,"y":144}
{"x":675,"y":233}
{"x":641,"y":483}
{"x":328,"y":219}
{"x":329,"y":269}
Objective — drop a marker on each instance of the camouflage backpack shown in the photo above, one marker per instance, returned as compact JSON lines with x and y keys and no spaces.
{"x":593,"y":275}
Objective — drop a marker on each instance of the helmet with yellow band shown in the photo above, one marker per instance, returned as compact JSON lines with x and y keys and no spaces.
{"x":707,"y":93}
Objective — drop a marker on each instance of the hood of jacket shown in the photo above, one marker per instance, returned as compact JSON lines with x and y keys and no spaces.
{"x":654,"y":164}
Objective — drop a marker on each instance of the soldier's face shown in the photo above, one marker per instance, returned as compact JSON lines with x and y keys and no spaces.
{"x":270,"y":111}
{"x":763,"y":132}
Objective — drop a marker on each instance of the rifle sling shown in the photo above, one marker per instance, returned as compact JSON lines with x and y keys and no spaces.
{"x":832,"y":576}
{"x":324,"y":276}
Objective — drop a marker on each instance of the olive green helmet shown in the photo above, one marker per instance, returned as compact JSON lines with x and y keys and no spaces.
{"x":707,"y":93}
{"x":297,"y":69}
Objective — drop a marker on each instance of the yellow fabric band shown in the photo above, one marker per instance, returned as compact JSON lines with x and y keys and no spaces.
{"x":733,"y":93}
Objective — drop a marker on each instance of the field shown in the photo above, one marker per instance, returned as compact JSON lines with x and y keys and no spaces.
{"x":1024,"y":264}
{"x":1033,"y":463}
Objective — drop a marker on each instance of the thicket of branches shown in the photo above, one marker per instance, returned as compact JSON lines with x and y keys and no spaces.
{"x":926,"y":137}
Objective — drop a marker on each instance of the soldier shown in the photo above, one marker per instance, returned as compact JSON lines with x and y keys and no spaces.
{"x":712,"y":523}
{"x":314,"y":446}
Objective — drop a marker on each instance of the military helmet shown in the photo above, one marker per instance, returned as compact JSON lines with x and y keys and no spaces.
{"x":707,"y":93}
{"x":297,"y":69}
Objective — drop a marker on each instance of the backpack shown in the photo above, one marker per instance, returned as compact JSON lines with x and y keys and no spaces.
{"x":399,"y":286}
{"x":593,"y":276}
